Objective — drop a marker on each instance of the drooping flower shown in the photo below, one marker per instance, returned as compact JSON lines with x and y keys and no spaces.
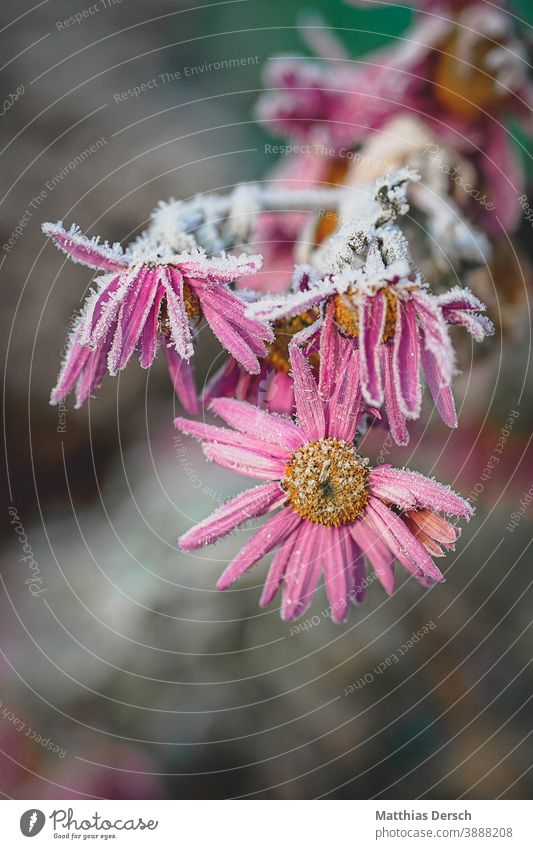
{"x":398,"y":327}
{"x":335,"y":510}
{"x":150,"y":296}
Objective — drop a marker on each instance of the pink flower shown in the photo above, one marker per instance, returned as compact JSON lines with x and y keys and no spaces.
{"x":398,"y":326}
{"x":335,"y":510}
{"x":151,"y":296}
{"x":460,"y":68}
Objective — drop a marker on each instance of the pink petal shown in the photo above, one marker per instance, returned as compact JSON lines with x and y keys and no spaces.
{"x":75,"y":360}
{"x":277,"y":570}
{"x":428,"y":493}
{"x":442,"y":395}
{"x":303,"y":573}
{"x":406,"y":351}
{"x":225,"y":436}
{"x":436,"y":339}
{"x":93,"y":372}
{"x":253,"y":502}
{"x":266,"y":426}
{"x":379,"y":554}
{"x":395,"y":416}
{"x":133,"y":316}
{"x":101,"y":310}
{"x":275,"y":531}
{"x":393,"y":492}
{"x":338,"y":560}
{"x":230,"y":339}
{"x":344,"y":406}
{"x":223,"y":383}
{"x":372,"y":315}
{"x":360,"y":578}
{"x":245,"y":461}
{"x":232,"y":309}
{"x":182,"y":376}
{"x":86,"y":251}
{"x":428,"y":542}
{"x":150,"y":332}
{"x":478,"y":326}
{"x":180,"y":330}
{"x":401,"y":540}
{"x":329,"y":353}
{"x":309,"y":407}
{"x":279,"y":397}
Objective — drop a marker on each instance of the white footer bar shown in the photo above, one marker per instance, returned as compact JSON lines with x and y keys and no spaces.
{"x":268,"y":824}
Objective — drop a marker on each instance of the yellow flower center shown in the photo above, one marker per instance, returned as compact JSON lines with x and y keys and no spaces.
{"x":284,"y":330}
{"x":347,"y":314}
{"x":326,"y":482}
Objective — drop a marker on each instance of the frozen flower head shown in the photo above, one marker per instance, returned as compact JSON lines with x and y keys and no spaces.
{"x":151,"y":296}
{"x":375,"y":299}
{"x":273,"y":387}
{"x":334,"y":511}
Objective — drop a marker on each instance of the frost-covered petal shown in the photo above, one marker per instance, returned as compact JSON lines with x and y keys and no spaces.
{"x":406,"y":351}
{"x":302,"y":575}
{"x":224,"y":436}
{"x":254,"y":502}
{"x":478,"y":326}
{"x":102,"y":306}
{"x":391,"y":491}
{"x":400,"y":540}
{"x":329,"y":353}
{"x":278,"y":306}
{"x":427,"y":492}
{"x":435,"y":337}
{"x":258,"y":423}
{"x":376,"y":550}
{"x":180,"y":331}
{"x":309,"y":407}
{"x":442,"y":395}
{"x":338,"y":560}
{"x":76,"y":357}
{"x":224,"y":268}
{"x":149,"y":338}
{"x":244,"y":461}
{"x":133,"y":315}
{"x":79,"y":248}
{"x":231,"y":339}
{"x":372,"y":315}
{"x":233,"y":310}
{"x":274,"y":532}
{"x":344,"y":407}
{"x":395,"y":416}
{"x":276,"y":573}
